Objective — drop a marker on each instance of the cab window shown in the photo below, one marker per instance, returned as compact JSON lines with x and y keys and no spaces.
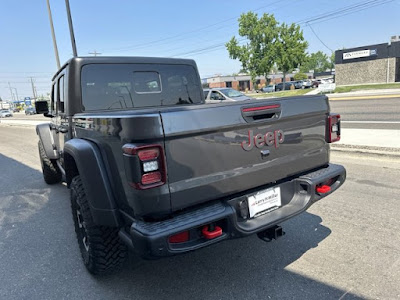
{"x":60,"y":95}
{"x":52,"y":98}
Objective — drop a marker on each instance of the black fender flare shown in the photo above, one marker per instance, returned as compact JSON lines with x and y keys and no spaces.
{"x":93,"y":172}
{"x":47,"y":139}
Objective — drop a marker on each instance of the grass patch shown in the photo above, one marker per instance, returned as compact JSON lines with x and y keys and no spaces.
{"x":298,"y":92}
{"x":345,"y":89}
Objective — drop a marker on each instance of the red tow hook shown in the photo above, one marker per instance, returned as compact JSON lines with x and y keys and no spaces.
{"x":211,"y":233}
{"x":323,"y":189}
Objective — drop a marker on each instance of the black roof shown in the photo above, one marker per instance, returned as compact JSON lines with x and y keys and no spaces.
{"x":83,"y":60}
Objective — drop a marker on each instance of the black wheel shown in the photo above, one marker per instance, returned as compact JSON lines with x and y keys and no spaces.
{"x":101,"y":248}
{"x":51,"y":172}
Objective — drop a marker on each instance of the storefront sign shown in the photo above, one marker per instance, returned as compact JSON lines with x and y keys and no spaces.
{"x":359,"y":54}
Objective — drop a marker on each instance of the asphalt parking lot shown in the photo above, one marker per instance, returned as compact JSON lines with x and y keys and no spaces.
{"x":344,"y":247}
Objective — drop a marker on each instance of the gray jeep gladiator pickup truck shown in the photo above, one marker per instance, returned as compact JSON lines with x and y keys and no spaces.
{"x":152,"y":168}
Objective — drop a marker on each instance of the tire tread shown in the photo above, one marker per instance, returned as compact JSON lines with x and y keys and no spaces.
{"x":106,"y":251}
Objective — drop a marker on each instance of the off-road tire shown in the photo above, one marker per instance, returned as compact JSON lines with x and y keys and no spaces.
{"x":101,"y":248}
{"x":51,"y":172}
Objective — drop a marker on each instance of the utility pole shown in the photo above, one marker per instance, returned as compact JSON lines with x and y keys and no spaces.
{"x":11,"y":93}
{"x":53,"y":35}
{"x":33,"y":89}
{"x":95,"y":53}
{"x":16,"y":93}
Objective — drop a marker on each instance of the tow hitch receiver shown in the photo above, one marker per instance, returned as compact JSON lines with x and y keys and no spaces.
{"x":211,"y":231}
{"x":270,"y":234}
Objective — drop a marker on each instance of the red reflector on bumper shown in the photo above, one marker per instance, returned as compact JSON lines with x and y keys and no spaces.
{"x":323,"y":189}
{"x":179,"y":238}
{"x":211,"y":234}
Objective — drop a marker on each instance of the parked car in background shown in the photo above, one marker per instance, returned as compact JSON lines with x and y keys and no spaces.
{"x":269,"y":88}
{"x":217,"y":95}
{"x":316,"y":83}
{"x":16,"y":109}
{"x":280,"y":87}
{"x":4,"y":113}
{"x":307,"y":84}
{"x":30,"y":111}
{"x":327,"y":80}
{"x":298,"y":84}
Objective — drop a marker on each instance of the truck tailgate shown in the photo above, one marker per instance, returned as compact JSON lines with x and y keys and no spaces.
{"x":217,"y":150}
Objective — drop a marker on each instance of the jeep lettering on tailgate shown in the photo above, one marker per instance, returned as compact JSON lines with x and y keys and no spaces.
{"x":260,"y":140}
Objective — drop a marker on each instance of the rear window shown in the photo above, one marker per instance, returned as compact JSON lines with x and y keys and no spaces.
{"x":126,"y":86}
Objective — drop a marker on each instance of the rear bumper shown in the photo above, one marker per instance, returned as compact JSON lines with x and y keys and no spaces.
{"x":150,"y":239}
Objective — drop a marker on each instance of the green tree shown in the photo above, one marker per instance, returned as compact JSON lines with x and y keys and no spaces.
{"x":290,"y":48}
{"x":268,"y":44}
{"x":317,"y":61}
{"x":258,"y":54}
{"x":300,"y":76}
{"x":332,"y":61}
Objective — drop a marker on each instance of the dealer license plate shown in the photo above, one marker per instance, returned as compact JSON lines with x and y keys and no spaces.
{"x":264,"y":201}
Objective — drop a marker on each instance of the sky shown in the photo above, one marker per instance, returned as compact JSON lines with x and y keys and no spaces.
{"x":187,"y":29}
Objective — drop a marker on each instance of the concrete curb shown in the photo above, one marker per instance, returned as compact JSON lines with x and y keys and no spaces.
{"x":338,"y":98}
{"x":367,"y":150}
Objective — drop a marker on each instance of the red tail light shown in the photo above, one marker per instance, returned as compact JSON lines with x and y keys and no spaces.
{"x":147,"y":165}
{"x":148,"y":154}
{"x":333,"y":128}
{"x":151,"y":178}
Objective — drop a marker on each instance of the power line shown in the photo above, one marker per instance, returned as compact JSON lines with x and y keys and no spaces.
{"x":316,"y":35}
{"x":335,"y":12}
{"x":343,"y":12}
{"x":44,"y":82}
{"x":22,"y":72}
{"x":351,"y":12}
{"x":19,"y":77}
{"x":205,"y":48}
{"x":144,"y":45}
{"x":328,"y":15}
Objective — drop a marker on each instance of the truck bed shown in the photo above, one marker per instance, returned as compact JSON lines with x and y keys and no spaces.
{"x":207,"y":149}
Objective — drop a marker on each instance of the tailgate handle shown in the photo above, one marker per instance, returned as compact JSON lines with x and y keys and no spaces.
{"x":255,"y":113}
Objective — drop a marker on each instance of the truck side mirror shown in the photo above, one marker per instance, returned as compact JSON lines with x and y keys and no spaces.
{"x":42,"y":107}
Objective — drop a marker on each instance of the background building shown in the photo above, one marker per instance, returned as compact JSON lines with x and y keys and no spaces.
{"x":378,"y":63}
{"x":243,"y":82}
